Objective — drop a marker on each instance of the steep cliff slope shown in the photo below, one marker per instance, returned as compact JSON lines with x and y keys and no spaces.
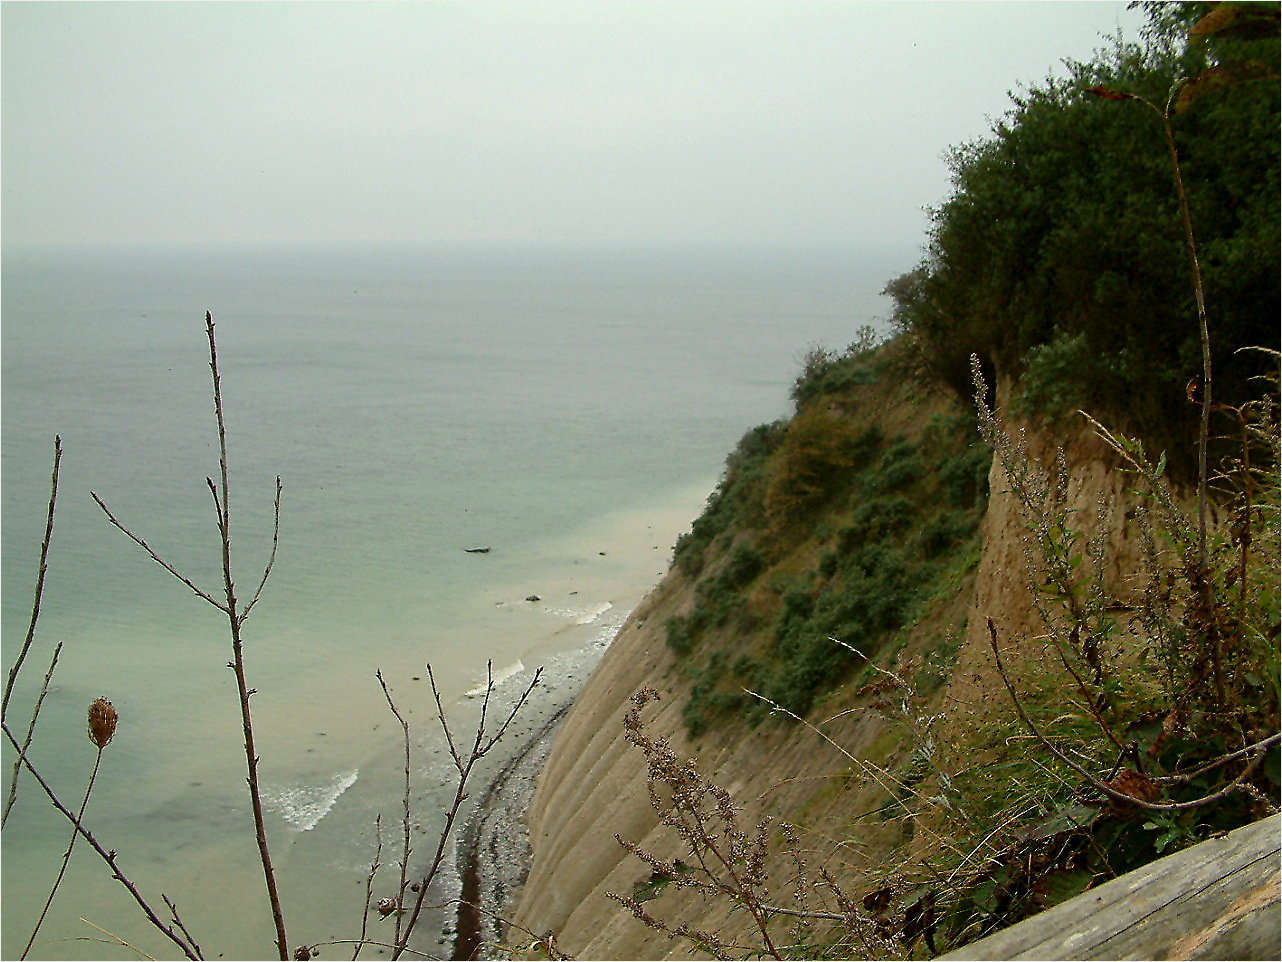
{"x":912,"y":782}
{"x":976,"y":685}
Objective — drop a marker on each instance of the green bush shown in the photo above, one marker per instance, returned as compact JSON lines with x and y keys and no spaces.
{"x":875,"y":594}
{"x":745,"y":563}
{"x":738,"y":499}
{"x":887,"y":517}
{"x":680,"y":638}
{"x":963,"y":476}
{"x":825,"y":372}
{"x":945,"y":530}
{"x":1060,"y":260}
{"x":818,"y":458}
{"x":707,"y":700}
{"x":874,"y":519}
{"x":900,"y":466}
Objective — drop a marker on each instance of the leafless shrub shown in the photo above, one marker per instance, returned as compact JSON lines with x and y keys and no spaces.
{"x":728,"y":858}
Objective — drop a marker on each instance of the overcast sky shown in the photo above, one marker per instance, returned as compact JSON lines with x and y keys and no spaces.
{"x":642,"y":123}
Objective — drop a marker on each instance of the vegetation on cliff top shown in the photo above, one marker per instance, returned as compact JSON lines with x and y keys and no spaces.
{"x":1059,"y":263}
{"x":1059,"y":258}
{"x":1145,"y":716}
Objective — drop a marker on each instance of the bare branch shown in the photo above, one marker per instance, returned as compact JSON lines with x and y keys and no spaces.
{"x":271,"y":561}
{"x":66,"y":856}
{"x":405,"y":821}
{"x":177,"y":920}
{"x":31,"y":731}
{"x":41,"y":570}
{"x":202,"y":594}
{"x":465,"y":766}
{"x":440,"y":714}
{"x":363,"y":942}
{"x":188,"y":950}
{"x":516,"y":708}
{"x":222,"y":504}
{"x":374,"y":866}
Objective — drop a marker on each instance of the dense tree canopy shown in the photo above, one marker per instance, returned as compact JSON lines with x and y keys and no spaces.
{"x":1061,"y":256}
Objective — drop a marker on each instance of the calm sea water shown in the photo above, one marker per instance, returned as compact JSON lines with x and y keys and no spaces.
{"x":568,"y":410}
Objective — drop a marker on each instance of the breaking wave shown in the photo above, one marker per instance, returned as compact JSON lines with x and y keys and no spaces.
{"x":305,"y":805}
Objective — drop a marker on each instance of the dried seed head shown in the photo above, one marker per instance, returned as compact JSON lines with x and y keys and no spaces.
{"x":304,"y":953}
{"x":102,"y":722}
{"x":385,"y":906}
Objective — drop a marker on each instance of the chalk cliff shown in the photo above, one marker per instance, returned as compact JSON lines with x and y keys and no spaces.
{"x":884,"y":744}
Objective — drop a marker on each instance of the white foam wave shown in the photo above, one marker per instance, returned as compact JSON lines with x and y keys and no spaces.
{"x":501,"y":676}
{"x":582,"y":616}
{"x":303,"y":806}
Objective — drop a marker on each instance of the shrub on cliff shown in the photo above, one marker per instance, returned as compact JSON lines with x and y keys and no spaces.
{"x":820,"y":450}
{"x":738,"y":499}
{"x":858,"y":526}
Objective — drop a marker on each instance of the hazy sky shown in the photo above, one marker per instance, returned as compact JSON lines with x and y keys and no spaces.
{"x":785,"y":122}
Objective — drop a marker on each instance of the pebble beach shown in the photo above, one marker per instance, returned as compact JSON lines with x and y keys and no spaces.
{"x":492,"y":853}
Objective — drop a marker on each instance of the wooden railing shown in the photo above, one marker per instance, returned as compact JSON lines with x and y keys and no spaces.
{"x":1216,"y":900}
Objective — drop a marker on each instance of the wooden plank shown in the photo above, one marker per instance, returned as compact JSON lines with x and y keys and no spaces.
{"x":1216,"y":900}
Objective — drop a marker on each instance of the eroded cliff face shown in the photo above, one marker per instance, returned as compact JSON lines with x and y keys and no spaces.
{"x":594,"y":786}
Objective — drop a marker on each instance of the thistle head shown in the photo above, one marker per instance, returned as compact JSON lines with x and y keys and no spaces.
{"x":102,"y":722}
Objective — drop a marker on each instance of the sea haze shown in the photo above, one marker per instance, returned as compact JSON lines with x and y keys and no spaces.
{"x":569,"y":410}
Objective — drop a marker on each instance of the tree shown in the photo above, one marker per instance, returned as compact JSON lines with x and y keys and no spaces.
{"x":1059,"y":258}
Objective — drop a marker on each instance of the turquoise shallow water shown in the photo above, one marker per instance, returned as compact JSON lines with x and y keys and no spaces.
{"x":569,"y":410}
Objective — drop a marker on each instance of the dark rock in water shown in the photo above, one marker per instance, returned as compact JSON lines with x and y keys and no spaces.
{"x":533,"y":598}
{"x":483,"y":550}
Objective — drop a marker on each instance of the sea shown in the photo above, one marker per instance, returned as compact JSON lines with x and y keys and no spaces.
{"x":568,"y":410}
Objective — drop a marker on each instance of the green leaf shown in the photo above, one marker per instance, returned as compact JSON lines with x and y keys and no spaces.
{"x":652,"y":887}
{"x":1167,"y":837}
{"x":984,"y":896}
{"x":1068,"y":819}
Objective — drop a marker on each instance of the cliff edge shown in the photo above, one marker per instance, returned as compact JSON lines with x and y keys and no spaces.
{"x":928,"y":814}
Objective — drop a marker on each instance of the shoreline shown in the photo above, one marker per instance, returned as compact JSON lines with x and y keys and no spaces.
{"x":492,"y":851}
{"x":493,"y":855}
